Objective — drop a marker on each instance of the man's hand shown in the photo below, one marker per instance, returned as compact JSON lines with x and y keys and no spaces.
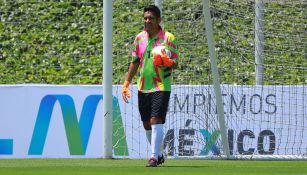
{"x":163,"y":60}
{"x":125,"y":91}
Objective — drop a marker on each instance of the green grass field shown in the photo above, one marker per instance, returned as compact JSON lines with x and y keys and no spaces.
{"x":126,"y":167}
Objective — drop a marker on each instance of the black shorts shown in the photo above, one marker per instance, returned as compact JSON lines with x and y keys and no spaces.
{"x":153,"y":104}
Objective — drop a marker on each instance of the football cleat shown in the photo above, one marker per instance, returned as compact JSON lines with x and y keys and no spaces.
{"x":161,"y":160}
{"x":152,"y":162}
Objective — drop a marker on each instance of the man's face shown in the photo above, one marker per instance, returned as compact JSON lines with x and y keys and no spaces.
{"x":151,"y":22}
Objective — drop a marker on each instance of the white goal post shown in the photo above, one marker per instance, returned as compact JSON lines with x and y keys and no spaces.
{"x":215,"y":77}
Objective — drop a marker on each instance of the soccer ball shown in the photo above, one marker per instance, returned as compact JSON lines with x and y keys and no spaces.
{"x":157,"y":51}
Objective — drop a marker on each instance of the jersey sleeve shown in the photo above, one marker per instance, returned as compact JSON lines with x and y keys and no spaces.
{"x":172,"y":46}
{"x":134,"y":53}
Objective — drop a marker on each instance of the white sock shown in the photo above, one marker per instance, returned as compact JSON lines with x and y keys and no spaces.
{"x":148,"y":135}
{"x":156,"y":139}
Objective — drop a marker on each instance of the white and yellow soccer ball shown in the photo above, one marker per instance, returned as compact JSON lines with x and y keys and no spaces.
{"x":158,"y":51}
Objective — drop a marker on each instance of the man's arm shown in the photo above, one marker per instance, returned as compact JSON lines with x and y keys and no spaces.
{"x":131,"y":72}
{"x":133,"y":68}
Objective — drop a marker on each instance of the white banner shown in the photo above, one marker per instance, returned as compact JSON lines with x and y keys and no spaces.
{"x":65,"y":121}
{"x":19,"y":116}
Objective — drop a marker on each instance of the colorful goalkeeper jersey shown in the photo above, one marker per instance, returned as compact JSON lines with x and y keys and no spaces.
{"x":150,"y":78}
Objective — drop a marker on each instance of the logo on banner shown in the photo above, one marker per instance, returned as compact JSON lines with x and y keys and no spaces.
{"x":77,"y":132}
{"x":210,"y":140}
{"x":188,"y":137}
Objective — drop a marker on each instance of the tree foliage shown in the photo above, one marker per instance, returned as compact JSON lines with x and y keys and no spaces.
{"x":60,"y":42}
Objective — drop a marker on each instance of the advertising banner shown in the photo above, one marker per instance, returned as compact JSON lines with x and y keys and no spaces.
{"x":65,"y":121}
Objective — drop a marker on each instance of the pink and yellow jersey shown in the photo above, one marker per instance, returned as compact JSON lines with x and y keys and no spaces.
{"x":150,"y":78}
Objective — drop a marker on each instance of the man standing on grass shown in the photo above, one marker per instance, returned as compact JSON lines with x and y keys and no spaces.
{"x":154,"y":78}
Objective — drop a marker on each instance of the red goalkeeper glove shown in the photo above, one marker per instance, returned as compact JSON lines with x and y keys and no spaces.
{"x":125,"y":91}
{"x":163,"y":60}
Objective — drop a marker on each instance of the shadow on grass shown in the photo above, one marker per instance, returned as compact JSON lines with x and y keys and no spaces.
{"x":181,"y":166}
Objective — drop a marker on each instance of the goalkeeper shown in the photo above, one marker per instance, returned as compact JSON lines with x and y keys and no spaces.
{"x":154,"y":78}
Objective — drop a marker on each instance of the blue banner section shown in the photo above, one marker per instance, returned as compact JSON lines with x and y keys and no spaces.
{"x":6,"y":146}
{"x":77,"y":133}
{"x":87,"y":117}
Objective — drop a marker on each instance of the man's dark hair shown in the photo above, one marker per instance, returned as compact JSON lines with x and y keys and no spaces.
{"x":152,"y":8}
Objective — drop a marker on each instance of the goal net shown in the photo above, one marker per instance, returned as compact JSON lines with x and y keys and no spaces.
{"x":260,"y":51}
{"x":266,"y":118}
